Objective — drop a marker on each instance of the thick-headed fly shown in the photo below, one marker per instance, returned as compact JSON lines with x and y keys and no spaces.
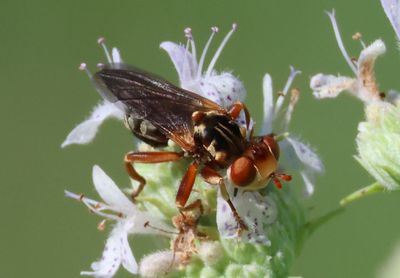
{"x":158,"y":111}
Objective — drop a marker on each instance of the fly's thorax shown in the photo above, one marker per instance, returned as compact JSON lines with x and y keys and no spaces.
{"x":219,"y":135}
{"x":254,"y":168}
{"x":145,"y":131}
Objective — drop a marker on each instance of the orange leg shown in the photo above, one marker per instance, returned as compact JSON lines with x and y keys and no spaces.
{"x":235,"y":110}
{"x":212,"y":177}
{"x":146,"y":157}
{"x":185,"y":188}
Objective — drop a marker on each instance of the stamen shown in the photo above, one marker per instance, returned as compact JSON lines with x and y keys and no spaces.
{"x":98,"y":210}
{"x":102,"y":42}
{"x":189,"y":36}
{"x":92,"y":205}
{"x":357,"y":37}
{"x":214,"y":30}
{"x":188,"y":33}
{"x":294,"y":98}
{"x":147,"y":224}
{"x":83,"y":67}
{"x":339,"y":40}
{"x":281,"y":96}
{"x":219,"y":50}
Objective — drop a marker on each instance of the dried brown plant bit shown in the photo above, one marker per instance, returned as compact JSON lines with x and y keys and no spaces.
{"x":184,"y":244}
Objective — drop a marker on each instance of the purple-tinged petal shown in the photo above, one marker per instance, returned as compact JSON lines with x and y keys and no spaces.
{"x":257,"y":212}
{"x":330,"y":86}
{"x":228,"y":89}
{"x":116,"y":251}
{"x":85,"y":132}
{"x":116,"y":56}
{"x":300,"y":157}
{"x":392,"y":10}
{"x":306,"y":155}
{"x":182,"y":60}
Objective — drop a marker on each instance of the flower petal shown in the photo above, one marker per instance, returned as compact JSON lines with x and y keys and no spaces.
{"x":182,"y":60}
{"x":366,"y":72}
{"x":306,"y":155}
{"x":85,"y":132}
{"x":110,"y":192}
{"x":370,"y":53}
{"x":330,"y":86}
{"x":393,"y":97}
{"x":392,"y":10}
{"x":128,"y":260}
{"x":268,"y":105}
{"x":117,"y":250}
{"x":300,"y":157}
{"x":257,"y":212}
{"x":308,"y":178}
{"x":116,"y":56}
{"x":224,"y":89}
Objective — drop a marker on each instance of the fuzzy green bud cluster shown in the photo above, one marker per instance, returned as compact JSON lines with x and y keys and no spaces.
{"x":378,"y":143}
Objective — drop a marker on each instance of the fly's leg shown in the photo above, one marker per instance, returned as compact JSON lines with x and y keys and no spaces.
{"x":185,"y":188}
{"x":212,"y":177}
{"x":146,"y":157}
{"x":235,"y":110}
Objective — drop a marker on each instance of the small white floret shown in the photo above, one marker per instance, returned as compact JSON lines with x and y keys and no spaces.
{"x":158,"y":264}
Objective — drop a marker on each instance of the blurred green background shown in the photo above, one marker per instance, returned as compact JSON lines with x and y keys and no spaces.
{"x":44,"y":96}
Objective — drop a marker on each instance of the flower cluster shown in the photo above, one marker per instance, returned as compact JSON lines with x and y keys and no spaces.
{"x":378,"y":141}
{"x":205,"y":242}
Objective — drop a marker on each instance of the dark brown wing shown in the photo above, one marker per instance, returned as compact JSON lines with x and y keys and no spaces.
{"x":145,"y":96}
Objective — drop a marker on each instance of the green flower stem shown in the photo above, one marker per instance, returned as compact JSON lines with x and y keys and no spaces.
{"x":312,"y":225}
{"x":368,"y":190}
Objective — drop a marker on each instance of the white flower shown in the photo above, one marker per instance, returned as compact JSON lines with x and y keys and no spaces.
{"x":392,"y":10}
{"x":129,"y":220}
{"x":296,"y":155}
{"x":256,"y":211}
{"x":85,"y":132}
{"x":260,"y":211}
{"x":364,"y":85}
{"x":222,"y":88}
